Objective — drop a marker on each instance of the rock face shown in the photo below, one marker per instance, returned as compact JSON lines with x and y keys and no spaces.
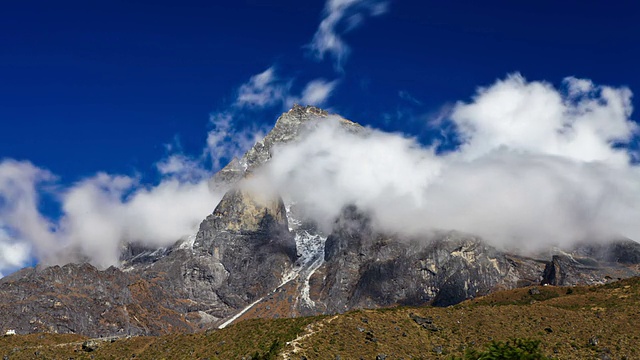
{"x":81,"y":299}
{"x":590,"y":263}
{"x":365,"y":269}
{"x":250,"y":238}
{"x":255,"y":257}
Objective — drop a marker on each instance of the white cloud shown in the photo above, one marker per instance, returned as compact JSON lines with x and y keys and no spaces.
{"x":99,"y":215}
{"x":538,"y":167}
{"x":328,"y":36}
{"x":183,"y":168}
{"x":535,"y":117}
{"x":21,"y":223}
{"x":226,"y":140}
{"x":13,"y":253}
{"x":263,"y":90}
{"x":267,"y":89}
{"x":330,"y":168}
{"x":315,"y":93}
{"x":102,"y":212}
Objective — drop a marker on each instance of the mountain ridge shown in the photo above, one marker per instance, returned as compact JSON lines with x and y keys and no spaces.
{"x":570,"y":322}
{"x":255,"y":256}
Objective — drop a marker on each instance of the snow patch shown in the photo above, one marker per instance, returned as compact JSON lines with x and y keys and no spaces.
{"x":236,"y":316}
{"x":187,"y":244}
{"x":311,"y":251}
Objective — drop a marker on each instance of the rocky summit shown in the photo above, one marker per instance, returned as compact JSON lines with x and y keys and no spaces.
{"x":255,"y":256}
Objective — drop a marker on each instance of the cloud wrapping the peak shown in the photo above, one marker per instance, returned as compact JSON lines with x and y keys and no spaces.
{"x":341,"y":16}
{"x":538,"y":166}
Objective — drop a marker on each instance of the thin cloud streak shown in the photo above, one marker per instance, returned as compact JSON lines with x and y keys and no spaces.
{"x":340,"y":17}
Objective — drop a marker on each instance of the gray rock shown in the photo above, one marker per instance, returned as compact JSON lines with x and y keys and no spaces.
{"x":534,"y":291}
{"x":91,"y":345}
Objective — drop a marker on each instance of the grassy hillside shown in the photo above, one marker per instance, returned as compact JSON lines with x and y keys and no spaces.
{"x":571,"y":323}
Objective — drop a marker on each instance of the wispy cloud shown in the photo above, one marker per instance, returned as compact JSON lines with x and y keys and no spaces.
{"x":316,"y":93}
{"x":227,"y":140}
{"x":340,"y":17}
{"x":263,"y":90}
{"x":267,"y":89}
{"x":406,"y":96}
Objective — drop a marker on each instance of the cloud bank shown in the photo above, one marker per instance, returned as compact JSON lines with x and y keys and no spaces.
{"x":100,"y":214}
{"x":537,"y":166}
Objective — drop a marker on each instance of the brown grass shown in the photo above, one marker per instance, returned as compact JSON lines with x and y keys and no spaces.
{"x":566,"y":320}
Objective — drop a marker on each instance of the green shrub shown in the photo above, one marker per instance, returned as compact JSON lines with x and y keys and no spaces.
{"x":515,"y":349}
{"x":270,"y":354}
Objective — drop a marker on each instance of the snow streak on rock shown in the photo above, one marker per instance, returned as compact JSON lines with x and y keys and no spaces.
{"x":236,"y":316}
{"x":310,"y":249}
{"x":187,"y":244}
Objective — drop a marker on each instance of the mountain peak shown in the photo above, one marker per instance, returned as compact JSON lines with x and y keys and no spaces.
{"x":308,"y":109}
{"x":287,"y":128}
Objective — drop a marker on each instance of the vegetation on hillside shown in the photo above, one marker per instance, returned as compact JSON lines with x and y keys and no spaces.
{"x":514,"y":349}
{"x":542,"y":322}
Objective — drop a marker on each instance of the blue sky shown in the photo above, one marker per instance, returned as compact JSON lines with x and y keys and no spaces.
{"x":117,"y":86}
{"x":101,"y":86}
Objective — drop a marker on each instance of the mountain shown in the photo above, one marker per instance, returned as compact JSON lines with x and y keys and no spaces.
{"x":598,"y":322}
{"x":256,"y":255}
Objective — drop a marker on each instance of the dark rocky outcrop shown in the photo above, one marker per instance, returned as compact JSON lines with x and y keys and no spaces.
{"x":369,"y":269}
{"x":577,"y":269}
{"x":622,"y":251}
{"x":250,"y":239}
